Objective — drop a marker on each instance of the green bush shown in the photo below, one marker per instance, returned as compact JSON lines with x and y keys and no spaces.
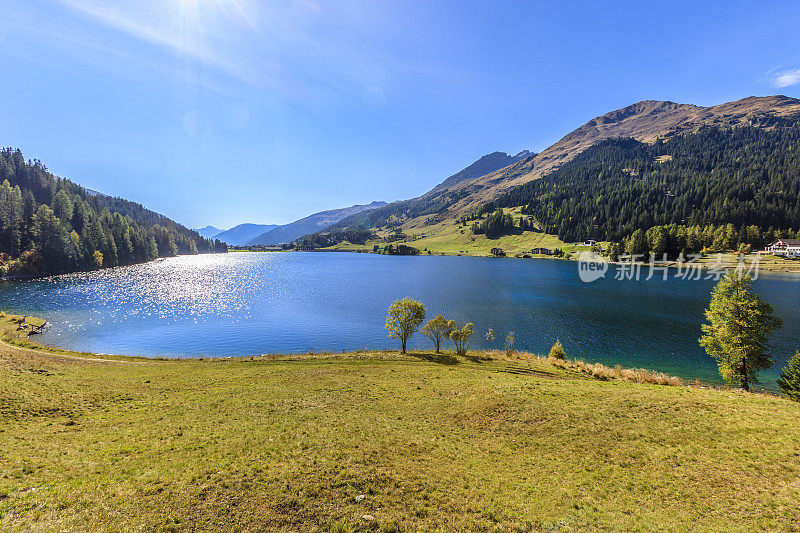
{"x":557,"y":351}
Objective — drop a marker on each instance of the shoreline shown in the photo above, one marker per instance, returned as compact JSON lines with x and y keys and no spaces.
{"x":705,"y":265}
{"x":597,"y":370}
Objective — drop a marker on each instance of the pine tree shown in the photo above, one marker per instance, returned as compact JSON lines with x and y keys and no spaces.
{"x":789,"y":382}
{"x":738,"y":329}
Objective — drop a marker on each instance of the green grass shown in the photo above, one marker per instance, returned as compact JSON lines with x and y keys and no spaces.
{"x":432,"y":442}
{"x":448,"y":237}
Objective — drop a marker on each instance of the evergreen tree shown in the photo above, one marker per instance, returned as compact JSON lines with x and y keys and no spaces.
{"x":789,"y":382}
{"x":739,"y":325}
{"x":78,"y":228}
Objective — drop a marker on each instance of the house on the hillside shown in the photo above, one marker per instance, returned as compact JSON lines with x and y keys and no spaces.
{"x":785,"y":248}
{"x":590,"y":242}
{"x":542,"y":251}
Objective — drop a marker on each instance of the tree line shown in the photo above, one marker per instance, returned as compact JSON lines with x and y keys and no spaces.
{"x":50,"y":225}
{"x":675,"y":239}
{"x":498,"y":223}
{"x":333,"y":237}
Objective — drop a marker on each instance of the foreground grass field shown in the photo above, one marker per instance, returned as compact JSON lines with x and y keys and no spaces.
{"x":430,"y":442}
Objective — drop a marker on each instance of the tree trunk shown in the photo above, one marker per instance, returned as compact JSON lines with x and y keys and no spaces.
{"x":402,"y":345}
{"x":743,"y":373}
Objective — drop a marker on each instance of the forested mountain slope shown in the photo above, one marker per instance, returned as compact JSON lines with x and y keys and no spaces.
{"x":745,"y":177}
{"x":50,"y":225}
{"x":644,"y":121}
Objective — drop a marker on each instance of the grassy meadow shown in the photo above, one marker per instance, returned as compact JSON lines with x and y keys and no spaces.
{"x":448,"y":237}
{"x":430,"y":442}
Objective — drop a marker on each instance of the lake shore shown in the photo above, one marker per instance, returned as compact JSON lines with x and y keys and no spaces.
{"x":768,"y":263}
{"x":375,"y":440}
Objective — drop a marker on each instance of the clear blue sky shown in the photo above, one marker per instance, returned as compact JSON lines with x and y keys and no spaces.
{"x":227,"y":111}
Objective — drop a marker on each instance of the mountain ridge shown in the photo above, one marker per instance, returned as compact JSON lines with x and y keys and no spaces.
{"x":209,"y":232}
{"x":311,"y":224}
{"x":646,"y":121}
{"x":484,"y":165}
{"x":241,"y":234}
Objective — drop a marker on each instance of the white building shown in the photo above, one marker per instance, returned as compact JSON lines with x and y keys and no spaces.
{"x":785,"y":248}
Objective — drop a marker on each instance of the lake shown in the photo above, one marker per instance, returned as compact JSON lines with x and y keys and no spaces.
{"x":258,"y":303}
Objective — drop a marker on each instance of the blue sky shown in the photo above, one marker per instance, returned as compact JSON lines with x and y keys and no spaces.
{"x":228,"y":111}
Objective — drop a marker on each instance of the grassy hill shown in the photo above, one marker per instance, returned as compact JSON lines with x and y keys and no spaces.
{"x":450,"y":237}
{"x":430,"y":442}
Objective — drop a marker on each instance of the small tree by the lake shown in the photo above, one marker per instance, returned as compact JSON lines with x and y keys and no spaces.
{"x":404,"y":318}
{"x":557,"y":351}
{"x":789,"y":382}
{"x":438,"y":329}
{"x":738,"y":329}
{"x":509,"y":346}
{"x":460,"y":337}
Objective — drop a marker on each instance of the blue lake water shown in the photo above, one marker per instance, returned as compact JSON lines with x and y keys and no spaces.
{"x":257,"y":303}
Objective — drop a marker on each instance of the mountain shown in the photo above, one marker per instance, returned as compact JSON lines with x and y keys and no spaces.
{"x":437,"y":199}
{"x":243,"y":233}
{"x":310,"y":224}
{"x":209,"y":232}
{"x":52,"y":225}
{"x":646,"y":121}
{"x":713,"y":189}
{"x":484,"y":165}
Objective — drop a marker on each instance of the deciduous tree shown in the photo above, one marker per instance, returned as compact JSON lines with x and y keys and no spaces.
{"x":436,"y":329}
{"x":460,"y":336}
{"x":404,"y":318}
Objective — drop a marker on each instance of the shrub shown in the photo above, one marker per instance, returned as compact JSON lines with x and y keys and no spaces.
{"x":510,"y":338}
{"x":557,"y":351}
{"x":789,"y":382}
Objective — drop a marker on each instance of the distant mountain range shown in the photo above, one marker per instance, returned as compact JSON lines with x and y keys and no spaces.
{"x":243,"y":233}
{"x":267,"y":234}
{"x":310,"y":224}
{"x":209,"y":232}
